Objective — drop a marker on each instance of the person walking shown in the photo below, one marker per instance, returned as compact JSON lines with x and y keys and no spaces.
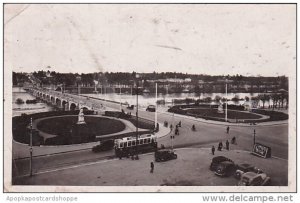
{"x":152,"y":167}
{"x":227,"y":129}
{"x":213,"y":150}
{"x":233,"y":140}
{"x":227,"y":145}
{"x":220,"y":146}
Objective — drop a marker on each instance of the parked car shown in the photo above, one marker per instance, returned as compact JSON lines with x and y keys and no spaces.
{"x":216,"y":161}
{"x":104,"y":146}
{"x":254,"y":179}
{"x":164,"y":155}
{"x":130,"y":107}
{"x":243,"y":168}
{"x":150,"y":108}
{"x":225,"y":168}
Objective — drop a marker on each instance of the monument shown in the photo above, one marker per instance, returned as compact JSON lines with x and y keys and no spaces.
{"x":81,"y":117}
{"x":96,"y":83}
{"x":220,"y":108}
{"x":81,"y":132}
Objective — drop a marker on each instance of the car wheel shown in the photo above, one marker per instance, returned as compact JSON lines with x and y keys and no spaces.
{"x":175,"y":156}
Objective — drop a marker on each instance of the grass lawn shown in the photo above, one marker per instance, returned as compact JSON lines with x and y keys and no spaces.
{"x":203,"y":112}
{"x":98,"y":125}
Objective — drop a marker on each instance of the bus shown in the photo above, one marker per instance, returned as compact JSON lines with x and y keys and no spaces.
{"x":127,"y":146}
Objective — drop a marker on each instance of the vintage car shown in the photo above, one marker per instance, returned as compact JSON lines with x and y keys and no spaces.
{"x":150,"y":108}
{"x":164,"y":155}
{"x":216,"y":161}
{"x":254,"y":179}
{"x":130,"y":107}
{"x":243,"y":168}
{"x":225,"y":168}
{"x":104,"y":146}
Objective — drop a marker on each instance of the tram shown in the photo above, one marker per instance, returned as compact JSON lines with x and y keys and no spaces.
{"x":128,"y":146}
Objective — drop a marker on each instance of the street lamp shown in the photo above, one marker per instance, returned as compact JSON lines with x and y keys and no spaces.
{"x":254,"y":133}
{"x":226,"y":102}
{"x":30,"y":149}
{"x":137,"y":111}
{"x":78,"y":80}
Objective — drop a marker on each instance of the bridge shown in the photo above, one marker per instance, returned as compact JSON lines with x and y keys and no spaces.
{"x":66,"y":101}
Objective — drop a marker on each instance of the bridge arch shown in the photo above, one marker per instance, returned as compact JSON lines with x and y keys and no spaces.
{"x":52,"y":99}
{"x":73,"y":106}
{"x":58,"y":102}
{"x":64,"y":105}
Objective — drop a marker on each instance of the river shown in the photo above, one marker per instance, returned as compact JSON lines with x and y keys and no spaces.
{"x":18,"y":109}
{"x":149,"y":99}
{"x":144,"y":100}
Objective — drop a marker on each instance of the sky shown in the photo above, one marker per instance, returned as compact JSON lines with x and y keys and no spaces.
{"x":210,"y":39}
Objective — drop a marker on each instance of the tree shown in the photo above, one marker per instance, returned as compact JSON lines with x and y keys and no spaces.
{"x":217,"y":98}
{"x":236,"y":99}
{"x":254,"y":101}
{"x":264,"y":98}
{"x":275,"y":99}
{"x":207,"y":99}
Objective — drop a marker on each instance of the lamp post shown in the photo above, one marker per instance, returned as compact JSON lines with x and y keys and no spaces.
{"x":226,"y":102}
{"x":254,"y":133}
{"x":172,"y":134}
{"x":137,"y":112}
{"x":156,"y":105}
{"x":120,"y":96}
{"x":78,"y":80}
{"x":30,"y":149}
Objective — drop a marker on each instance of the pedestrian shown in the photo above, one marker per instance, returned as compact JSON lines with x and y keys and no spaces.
{"x":152,"y":167}
{"x":227,"y":130}
{"x":193,"y":128}
{"x":179,"y":124}
{"x":233,"y":140}
{"x":227,"y":145}
{"x":213,"y":150}
{"x":220,"y":146}
{"x":176,"y":131}
{"x":171,"y":127}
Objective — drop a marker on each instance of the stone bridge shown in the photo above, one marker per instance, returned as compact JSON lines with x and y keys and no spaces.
{"x":66,"y":101}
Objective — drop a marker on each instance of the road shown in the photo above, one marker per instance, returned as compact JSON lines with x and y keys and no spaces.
{"x":206,"y":135}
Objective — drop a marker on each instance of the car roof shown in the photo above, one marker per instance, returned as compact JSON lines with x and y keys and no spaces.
{"x":245,"y":165}
{"x":220,"y":159}
{"x":164,"y":150}
{"x":250,"y":174}
{"x":226,"y":163}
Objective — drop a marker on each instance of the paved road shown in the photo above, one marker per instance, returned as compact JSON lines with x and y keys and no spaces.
{"x":191,"y":168}
{"x":206,"y":135}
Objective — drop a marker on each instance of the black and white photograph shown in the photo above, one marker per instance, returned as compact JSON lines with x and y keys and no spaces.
{"x":149,"y":97}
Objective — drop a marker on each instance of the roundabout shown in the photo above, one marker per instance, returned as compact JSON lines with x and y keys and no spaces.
{"x":62,"y":125}
{"x":235,"y":114}
{"x":69,"y":128}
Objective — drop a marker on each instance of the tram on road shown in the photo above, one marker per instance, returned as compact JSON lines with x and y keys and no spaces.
{"x":128,"y":146}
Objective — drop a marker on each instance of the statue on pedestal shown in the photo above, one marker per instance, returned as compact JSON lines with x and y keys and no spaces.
{"x":81,"y":117}
{"x":220,"y":108}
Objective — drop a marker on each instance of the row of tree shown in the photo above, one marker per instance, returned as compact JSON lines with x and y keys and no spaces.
{"x":126,"y":78}
{"x":278,"y":99}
